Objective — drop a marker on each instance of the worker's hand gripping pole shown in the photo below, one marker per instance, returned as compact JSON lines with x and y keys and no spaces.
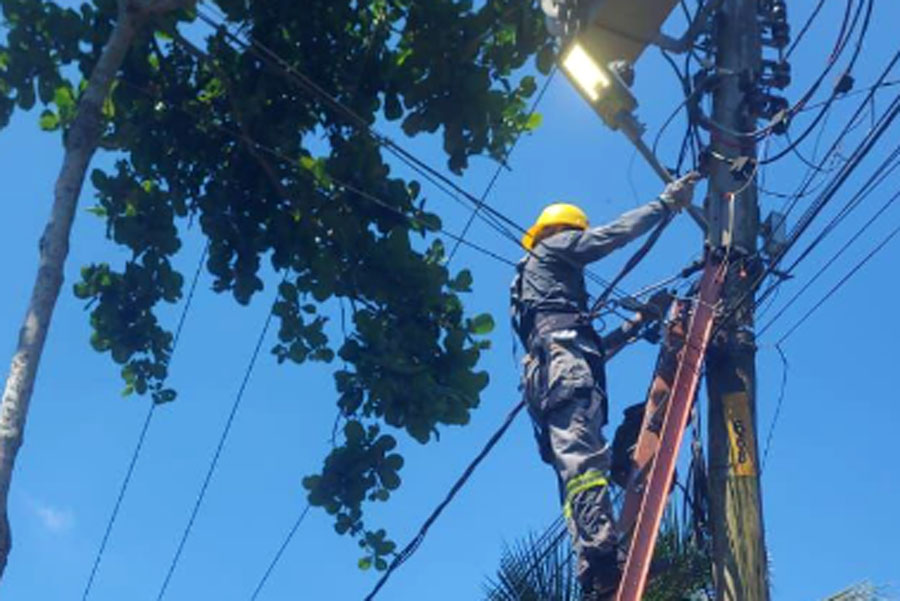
{"x":677,"y":410}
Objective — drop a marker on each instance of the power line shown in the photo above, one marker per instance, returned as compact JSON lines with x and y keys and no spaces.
{"x":864,"y":148}
{"x":855,"y":202}
{"x":501,"y":166}
{"x":289,"y":72}
{"x":279,"y":553}
{"x":142,"y":435}
{"x":809,"y":22}
{"x":218,"y":452}
{"x":414,"y":544}
{"x":840,"y":284}
{"x":785,"y":370}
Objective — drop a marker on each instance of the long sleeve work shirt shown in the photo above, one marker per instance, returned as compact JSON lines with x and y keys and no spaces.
{"x":551,"y":277}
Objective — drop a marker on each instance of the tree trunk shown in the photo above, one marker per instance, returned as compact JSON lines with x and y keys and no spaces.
{"x":81,"y":142}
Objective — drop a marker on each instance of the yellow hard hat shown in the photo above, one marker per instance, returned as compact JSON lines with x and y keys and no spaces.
{"x":556,"y":214}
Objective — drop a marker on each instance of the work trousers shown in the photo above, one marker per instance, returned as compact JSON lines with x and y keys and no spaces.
{"x":565,"y":389}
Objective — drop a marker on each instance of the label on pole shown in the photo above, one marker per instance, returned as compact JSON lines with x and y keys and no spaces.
{"x":742,"y":451}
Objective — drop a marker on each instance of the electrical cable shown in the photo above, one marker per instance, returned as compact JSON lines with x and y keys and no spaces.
{"x":854,"y":93}
{"x":840,"y":284}
{"x":840,"y":46}
{"x":284,"y":545}
{"x":785,"y":370}
{"x":812,"y":212}
{"x":414,"y":544}
{"x":220,"y":445}
{"x":831,"y":261}
{"x":804,"y":29}
{"x":875,"y":180}
{"x":857,"y":52}
{"x":502,"y":164}
{"x":806,"y":187}
{"x":261,"y":51}
{"x":142,"y":435}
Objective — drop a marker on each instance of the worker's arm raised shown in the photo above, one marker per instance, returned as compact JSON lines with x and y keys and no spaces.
{"x":595,"y":243}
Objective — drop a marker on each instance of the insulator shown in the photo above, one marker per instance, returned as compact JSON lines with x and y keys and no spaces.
{"x":776,"y":74}
{"x":768,"y":106}
{"x":778,"y":35}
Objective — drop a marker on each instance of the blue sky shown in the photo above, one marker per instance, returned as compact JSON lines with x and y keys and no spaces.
{"x":831,"y":490}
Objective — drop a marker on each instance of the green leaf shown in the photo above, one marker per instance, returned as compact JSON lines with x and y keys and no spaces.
{"x":462,"y":282}
{"x":534,"y":121}
{"x":365,"y":563}
{"x":546,"y":57}
{"x":404,"y":56}
{"x":49,"y":121}
{"x":482,"y":324}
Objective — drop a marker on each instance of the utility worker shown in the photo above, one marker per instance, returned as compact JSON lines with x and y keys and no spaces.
{"x":564,"y":378}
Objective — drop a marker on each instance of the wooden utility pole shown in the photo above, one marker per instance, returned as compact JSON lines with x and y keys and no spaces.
{"x":733,"y":213}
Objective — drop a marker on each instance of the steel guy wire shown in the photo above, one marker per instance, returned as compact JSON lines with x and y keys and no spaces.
{"x":239,"y":397}
{"x":142,"y":435}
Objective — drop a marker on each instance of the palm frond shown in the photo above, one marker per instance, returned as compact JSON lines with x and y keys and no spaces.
{"x":538,"y":568}
{"x":864,"y":591}
{"x":541,"y":568}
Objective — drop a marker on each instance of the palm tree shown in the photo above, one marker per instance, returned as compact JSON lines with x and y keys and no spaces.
{"x":540,"y":568}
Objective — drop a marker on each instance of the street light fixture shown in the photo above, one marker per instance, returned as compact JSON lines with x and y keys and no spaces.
{"x":586,"y":73}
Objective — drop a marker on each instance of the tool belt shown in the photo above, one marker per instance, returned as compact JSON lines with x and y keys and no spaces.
{"x":545,"y":323}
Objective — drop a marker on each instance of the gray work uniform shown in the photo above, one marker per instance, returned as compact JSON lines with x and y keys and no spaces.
{"x":564,"y":381}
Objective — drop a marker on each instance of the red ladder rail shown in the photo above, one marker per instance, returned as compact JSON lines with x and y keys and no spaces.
{"x":654,"y":413}
{"x":678,"y":408}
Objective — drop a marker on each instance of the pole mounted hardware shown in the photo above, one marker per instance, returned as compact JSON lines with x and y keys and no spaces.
{"x":601,"y":40}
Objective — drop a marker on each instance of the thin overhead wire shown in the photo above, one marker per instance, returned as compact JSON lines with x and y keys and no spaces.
{"x":498,"y":220}
{"x":502,"y":165}
{"x":812,"y":212}
{"x":414,"y":544}
{"x":828,"y":264}
{"x":142,"y":434}
{"x":785,"y":370}
{"x":803,"y":30}
{"x":220,"y":445}
{"x":881,"y":246}
{"x":278,"y":554}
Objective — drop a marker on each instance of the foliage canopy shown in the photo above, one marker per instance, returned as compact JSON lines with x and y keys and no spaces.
{"x":204,"y":136}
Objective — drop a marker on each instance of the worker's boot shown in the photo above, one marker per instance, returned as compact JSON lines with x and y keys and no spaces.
{"x":603,"y":582}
